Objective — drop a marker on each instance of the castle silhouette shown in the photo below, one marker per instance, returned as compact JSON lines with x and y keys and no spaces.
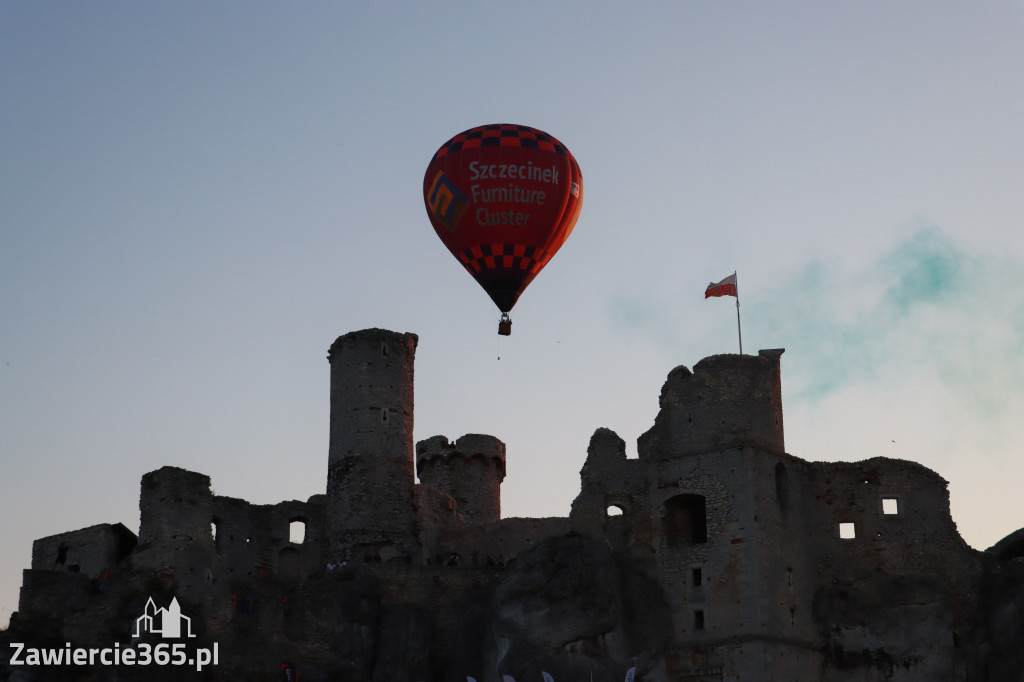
{"x":713,"y":555}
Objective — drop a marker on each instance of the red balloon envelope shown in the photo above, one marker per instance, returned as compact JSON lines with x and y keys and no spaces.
{"x":503,"y":198}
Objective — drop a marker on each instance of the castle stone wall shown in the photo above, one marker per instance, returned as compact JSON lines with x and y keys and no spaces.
{"x":255,"y":539}
{"x":90,"y":550}
{"x":496,"y":544}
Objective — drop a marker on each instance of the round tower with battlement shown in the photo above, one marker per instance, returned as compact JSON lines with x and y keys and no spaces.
{"x":370,"y":476}
{"x":470,"y":470}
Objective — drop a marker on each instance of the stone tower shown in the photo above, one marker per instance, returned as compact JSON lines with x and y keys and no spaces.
{"x":726,"y":401}
{"x":176,"y":511}
{"x":470,"y":470}
{"x":370,"y":474}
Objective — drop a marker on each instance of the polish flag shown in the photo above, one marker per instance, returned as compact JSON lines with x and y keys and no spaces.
{"x":727,"y":287}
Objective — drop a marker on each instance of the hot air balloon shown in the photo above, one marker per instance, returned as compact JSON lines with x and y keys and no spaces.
{"x":503,"y":198}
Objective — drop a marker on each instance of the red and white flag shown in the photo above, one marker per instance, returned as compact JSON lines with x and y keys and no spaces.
{"x":727,"y":287}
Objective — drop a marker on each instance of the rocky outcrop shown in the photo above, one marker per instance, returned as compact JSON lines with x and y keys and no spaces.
{"x":573,"y":608}
{"x":894,"y":628}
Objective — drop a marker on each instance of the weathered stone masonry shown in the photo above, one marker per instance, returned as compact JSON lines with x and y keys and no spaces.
{"x":714,"y":555}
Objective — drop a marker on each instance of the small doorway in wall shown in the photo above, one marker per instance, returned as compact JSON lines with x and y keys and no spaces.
{"x":289,"y":562}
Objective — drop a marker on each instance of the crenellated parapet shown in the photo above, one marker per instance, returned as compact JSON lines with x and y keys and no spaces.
{"x":470,"y":470}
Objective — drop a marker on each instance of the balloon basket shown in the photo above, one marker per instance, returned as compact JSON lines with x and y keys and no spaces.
{"x":505,"y":326}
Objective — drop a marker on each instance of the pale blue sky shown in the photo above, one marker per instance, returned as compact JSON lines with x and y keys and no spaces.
{"x":197,"y":198}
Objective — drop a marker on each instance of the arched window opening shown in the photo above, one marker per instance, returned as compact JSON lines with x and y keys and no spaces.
{"x":213,"y":531}
{"x":297,"y":532}
{"x":781,"y":486}
{"x":615,"y":530}
{"x":686,"y":520}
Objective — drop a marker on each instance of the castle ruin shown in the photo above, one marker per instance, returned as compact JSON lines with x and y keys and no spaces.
{"x":712,"y":556}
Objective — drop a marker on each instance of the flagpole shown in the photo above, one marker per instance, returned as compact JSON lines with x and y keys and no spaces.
{"x":739,"y":329}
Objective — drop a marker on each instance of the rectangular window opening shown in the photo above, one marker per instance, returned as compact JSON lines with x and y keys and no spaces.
{"x":698,"y":620}
{"x":685,"y":520}
{"x":698,"y":577}
{"x":847,"y":531}
{"x":890,"y":506}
